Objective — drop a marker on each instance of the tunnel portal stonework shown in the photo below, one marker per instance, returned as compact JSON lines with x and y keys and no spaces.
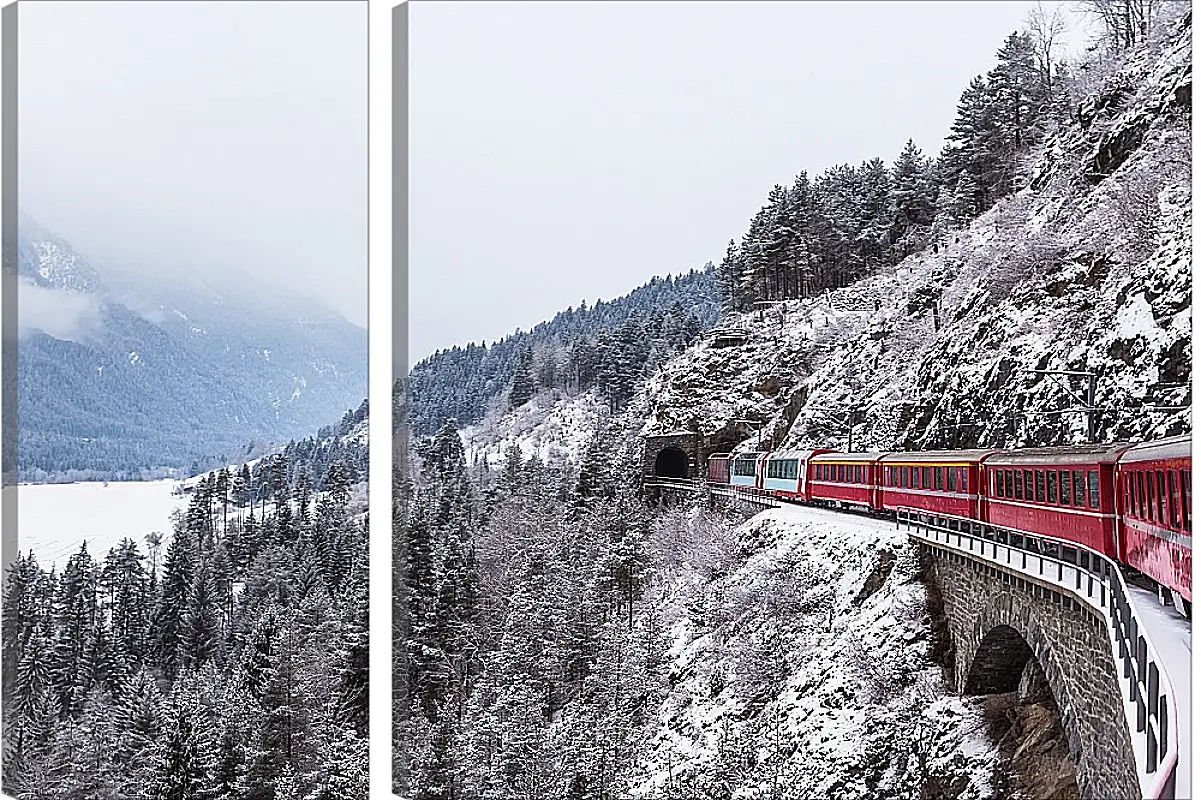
{"x":653,"y":455}
{"x":999,"y":621}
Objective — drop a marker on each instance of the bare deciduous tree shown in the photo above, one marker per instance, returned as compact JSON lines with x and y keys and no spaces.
{"x":1127,"y":22}
{"x":1046,"y":27}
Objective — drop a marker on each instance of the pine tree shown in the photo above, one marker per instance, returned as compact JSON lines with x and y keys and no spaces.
{"x":523,"y":381}
{"x":911,"y":201}
{"x":168,"y":624}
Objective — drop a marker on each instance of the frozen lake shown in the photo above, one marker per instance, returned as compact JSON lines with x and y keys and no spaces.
{"x":54,"y":519}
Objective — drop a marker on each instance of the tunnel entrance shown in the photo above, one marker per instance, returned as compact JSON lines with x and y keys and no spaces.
{"x":671,"y":462}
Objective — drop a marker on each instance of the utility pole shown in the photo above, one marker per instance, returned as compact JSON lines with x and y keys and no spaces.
{"x":1090,"y":396}
{"x":854,"y":412}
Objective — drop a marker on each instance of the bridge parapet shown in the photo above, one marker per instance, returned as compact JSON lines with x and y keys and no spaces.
{"x":1072,"y":606}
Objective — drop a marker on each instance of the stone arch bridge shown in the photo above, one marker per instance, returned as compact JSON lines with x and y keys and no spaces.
{"x":1020,"y":610}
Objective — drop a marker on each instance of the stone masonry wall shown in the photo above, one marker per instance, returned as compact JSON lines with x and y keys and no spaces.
{"x":1070,"y":643}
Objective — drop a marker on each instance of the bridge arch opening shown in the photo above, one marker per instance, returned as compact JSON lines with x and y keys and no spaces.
{"x":1000,"y":660}
{"x":1025,"y":720}
{"x":671,"y":462}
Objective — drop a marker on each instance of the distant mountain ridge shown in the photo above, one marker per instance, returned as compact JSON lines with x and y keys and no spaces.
{"x":122,"y":378}
{"x":572,"y":351}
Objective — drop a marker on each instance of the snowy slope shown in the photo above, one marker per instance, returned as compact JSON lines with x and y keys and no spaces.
{"x":553,"y":424}
{"x":805,"y":668}
{"x":1088,"y":268}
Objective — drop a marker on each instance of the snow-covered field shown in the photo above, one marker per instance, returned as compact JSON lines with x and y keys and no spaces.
{"x":53,"y":520}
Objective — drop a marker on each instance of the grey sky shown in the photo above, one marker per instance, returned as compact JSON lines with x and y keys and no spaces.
{"x":214,"y":137}
{"x":569,"y":151}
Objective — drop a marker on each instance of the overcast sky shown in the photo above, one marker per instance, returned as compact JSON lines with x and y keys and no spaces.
{"x":569,"y":151}
{"x":214,"y":137}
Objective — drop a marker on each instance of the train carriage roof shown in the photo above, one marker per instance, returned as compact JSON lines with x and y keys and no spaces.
{"x":936,"y":457}
{"x":1072,"y":454}
{"x":1176,"y":447}
{"x":847,"y":457}
{"x":786,"y":455}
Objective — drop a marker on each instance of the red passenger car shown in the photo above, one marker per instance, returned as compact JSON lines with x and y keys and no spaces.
{"x":846,"y":479}
{"x":943,"y":481}
{"x":1155,"y":501}
{"x":719,"y":468}
{"x":1065,"y":492}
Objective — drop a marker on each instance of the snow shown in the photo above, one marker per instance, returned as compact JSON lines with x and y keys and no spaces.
{"x":552,"y":424}
{"x":54,"y":519}
{"x":855,"y":681}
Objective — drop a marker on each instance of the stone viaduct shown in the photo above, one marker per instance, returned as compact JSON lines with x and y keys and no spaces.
{"x":1004,"y":626}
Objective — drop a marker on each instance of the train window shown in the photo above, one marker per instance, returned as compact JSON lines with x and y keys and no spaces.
{"x":963,"y":478}
{"x":1040,"y":485}
{"x":1052,"y":487}
{"x":1065,"y":488}
{"x":952,"y":480}
{"x":1009,"y":483}
{"x":904,"y":477}
{"x":896,"y":476}
{"x":915,"y":477}
{"x":1029,"y":475}
{"x":1077,"y":483}
{"x":939,"y":472}
{"x":998,"y":483}
{"x":1144,"y":507}
{"x":1161,"y":515}
{"x":1078,"y":487}
{"x":1173,"y":499}
{"x":859,"y":474}
{"x":1127,"y":490}
{"x":1186,"y":493}
{"x":1094,"y":489}
{"x":1017,"y":484}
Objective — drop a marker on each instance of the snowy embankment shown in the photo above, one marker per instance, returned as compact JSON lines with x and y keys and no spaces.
{"x":54,"y":519}
{"x":553,"y":425}
{"x":802,"y":669}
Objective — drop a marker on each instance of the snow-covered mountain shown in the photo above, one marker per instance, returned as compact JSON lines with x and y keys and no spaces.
{"x":798,"y":665}
{"x":791,"y":655}
{"x":124,"y":377}
{"x":553,"y":425}
{"x":1088,"y":269}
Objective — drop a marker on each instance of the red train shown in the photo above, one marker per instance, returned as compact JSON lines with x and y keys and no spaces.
{"x":1129,"y":501}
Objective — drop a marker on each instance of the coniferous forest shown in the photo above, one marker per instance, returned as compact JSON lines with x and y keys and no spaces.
{"x":227,"y":662}
{"x":850,"y":221}
{"x":608,"y":346}
{"x":516,"y":609}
